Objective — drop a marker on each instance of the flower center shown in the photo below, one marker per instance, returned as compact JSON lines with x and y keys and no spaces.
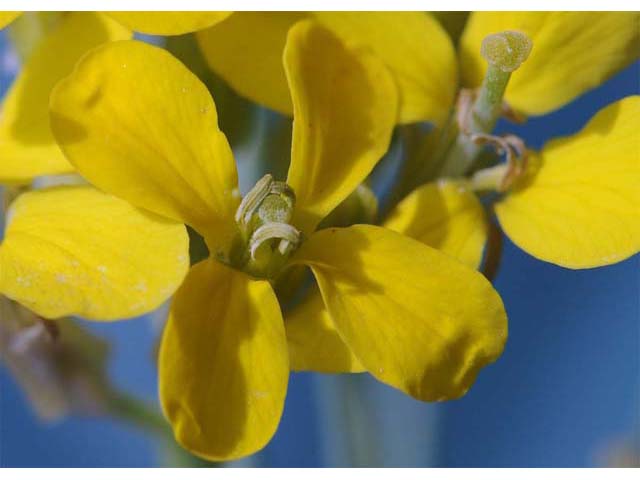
{"x":266,"y":237}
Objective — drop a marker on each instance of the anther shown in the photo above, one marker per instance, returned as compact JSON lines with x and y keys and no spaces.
{"x":502,"y":176}
{"x":270,"y":231}
{"x":253,"y":199}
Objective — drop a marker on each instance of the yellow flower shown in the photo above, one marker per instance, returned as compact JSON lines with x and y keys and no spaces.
{"x":27,"y":146}
{"x":70,"y":250}
{"x":573,"y":52}
{"x":577,"y":205}
{"x":135,"y":122}
{"x":246,"y":48}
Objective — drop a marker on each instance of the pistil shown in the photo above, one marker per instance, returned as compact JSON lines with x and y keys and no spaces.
{"x":478,"y":114}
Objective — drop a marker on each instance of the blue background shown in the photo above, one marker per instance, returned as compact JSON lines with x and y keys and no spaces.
{"x":565,"y":390}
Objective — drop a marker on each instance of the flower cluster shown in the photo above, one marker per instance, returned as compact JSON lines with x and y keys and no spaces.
{"x":312,"y":271}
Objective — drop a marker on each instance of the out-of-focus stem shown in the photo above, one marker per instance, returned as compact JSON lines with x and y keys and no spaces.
{"x":134,"y":411}
{"x":493,"y":252}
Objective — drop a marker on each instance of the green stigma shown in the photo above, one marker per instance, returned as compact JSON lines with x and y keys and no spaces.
{"x":506,"y":50}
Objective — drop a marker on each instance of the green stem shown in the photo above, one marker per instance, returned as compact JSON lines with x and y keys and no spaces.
{"x":145,"y":416}
{"x":493,"y":254}
{"x":137,"y":412}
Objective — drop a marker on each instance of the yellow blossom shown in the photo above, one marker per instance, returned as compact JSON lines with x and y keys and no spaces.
{"x":27,"y":147}
{"x":569,"y":56}
{"x":26,"y":144}
{"x":136,"y":123}
{"x":422,"y":58}
{"x":576,"y":206}
{"x":67,"y":250}
{"x":572,"y":53}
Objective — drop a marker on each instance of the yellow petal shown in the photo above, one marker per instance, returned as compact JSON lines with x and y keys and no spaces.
{"x":572,"y":52}
{"x":314,"y":343}
{"x":417,"y":51}
{"x":415,"y":318}
{"x":246,"y":51}
{"x":138,"y":124}
{"x":345,"y":105}
{"x":445,"y":216}
{"x":582,"y":207}
{"x":27,"y":147}
{"x":7,"y":17}
{"x":168,"y":23}
{"x":77,"y":251}
{"x":223,"y":363}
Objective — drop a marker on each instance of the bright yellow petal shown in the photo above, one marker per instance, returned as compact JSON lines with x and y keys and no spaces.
{"x":7,"y":17}
{"x":445,"y":216}
{"x":77,"y":251}
{"x":345,"y":105}
{"x":168,"y":23}
{"x":314,"y":343}
{"x":415,"y":318}
{"x":138,"y":124}
{"x":27,"y":147}
{"x":572,"y":52}
{"x":223,"y":363}
{"x":582,"y":207}
{"x":246,"y":51}
{"x":417,"y":51}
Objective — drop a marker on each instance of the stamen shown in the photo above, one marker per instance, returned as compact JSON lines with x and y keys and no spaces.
{"x":271,"y":231}
{"x":253,"y":199}
{"x":500,"y":177}
{"x":510,"y":114}
{"x":263,"y":217}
